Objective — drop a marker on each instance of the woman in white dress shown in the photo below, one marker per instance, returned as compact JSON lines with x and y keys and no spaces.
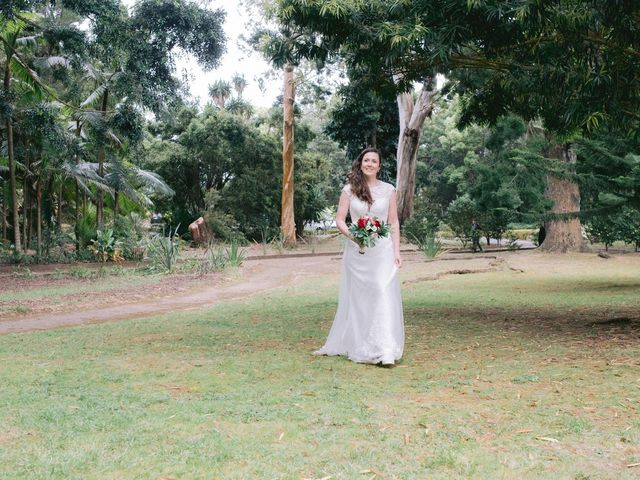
{"x":368,"y":326}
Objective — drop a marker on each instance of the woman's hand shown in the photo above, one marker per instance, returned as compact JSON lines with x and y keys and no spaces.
{"x":397,"y":260}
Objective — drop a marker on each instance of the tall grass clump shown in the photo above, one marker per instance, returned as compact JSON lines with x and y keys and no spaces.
{"x":163,"y":251}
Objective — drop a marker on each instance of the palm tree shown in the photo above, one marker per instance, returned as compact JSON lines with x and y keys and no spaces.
{"x":239,"y":83}
{"x":104,"y":81}
{"x":240,"y":107}
{"x":220,"y":91}
{"x":10,"y":38}
{"x":123,"y":177}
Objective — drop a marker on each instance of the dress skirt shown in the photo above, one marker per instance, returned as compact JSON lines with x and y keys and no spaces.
{"x":368,"y":326}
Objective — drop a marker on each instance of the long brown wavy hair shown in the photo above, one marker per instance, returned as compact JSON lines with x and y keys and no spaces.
{"x":358,"y":183}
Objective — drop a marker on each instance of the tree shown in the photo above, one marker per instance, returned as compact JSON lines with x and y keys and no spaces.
{"x":238,"y":106}
{"x":412,"y":117}
{"x":220,"y":91}
{"x":459,"y":216}
{"x":239,"y":83}
{"x":505,"y":53}
{"x":118,"y":62}
{"x":287,"y":220}
{"x":362,"y":118}
{"x":10,"y":38}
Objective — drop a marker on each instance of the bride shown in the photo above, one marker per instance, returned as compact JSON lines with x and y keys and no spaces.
{"x":368,"y":326}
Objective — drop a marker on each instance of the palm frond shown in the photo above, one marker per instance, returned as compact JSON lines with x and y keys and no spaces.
{"x":28,"y":77}
{"x":153,"y":181}
{"x":30,"y":41}
{"x":47,"y":63}
{"x":85,"y":189}
{"x":93,"y":73}
{"x":95,"y":96}
{"x":114,"y":138}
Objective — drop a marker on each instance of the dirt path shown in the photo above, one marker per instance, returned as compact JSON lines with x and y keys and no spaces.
{"x":264,"y":274}
{"x":258,"y":276}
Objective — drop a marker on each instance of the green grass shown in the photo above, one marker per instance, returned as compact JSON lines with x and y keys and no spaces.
{"x":504,"y":376}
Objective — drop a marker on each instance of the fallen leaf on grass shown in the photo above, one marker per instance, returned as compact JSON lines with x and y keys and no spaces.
{"x":280,"y":436}
{"x":376,"y":473}
{"x":631,"y":465}
{"x":547,"y":439}
{"x":525,"y":430}
{"x":406,"y":439}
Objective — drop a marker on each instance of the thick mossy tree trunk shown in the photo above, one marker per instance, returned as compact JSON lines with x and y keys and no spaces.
{"x":563,"y":235}
{"x":287,"y":220}
{"x":412,"y":117}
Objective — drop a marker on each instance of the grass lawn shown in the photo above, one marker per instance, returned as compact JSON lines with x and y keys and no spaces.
{"x":505,"y":375}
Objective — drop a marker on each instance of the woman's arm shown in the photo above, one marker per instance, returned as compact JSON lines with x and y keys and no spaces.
{"x":341,"y":216}
{"x":395,"y":228}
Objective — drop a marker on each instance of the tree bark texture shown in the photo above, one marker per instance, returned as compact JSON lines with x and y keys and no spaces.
{"x":562,"y":235}
{"x":412,"y":117}
{"x":287,"y":221}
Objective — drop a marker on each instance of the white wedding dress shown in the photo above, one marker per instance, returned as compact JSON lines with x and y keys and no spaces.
{"x":368,"y":326}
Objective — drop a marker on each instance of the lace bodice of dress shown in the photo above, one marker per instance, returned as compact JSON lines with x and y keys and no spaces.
{"x":381,"y":194}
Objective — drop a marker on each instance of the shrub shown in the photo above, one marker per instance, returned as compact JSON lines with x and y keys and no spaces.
{"x":129,"y":230}
{"x":164,"y":251}
{"x":105,"y":247}
{"x":459,"y":215}
{"x":86,"y":230}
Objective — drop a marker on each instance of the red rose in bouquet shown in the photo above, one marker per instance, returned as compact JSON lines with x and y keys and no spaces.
{"x":367,"y":229}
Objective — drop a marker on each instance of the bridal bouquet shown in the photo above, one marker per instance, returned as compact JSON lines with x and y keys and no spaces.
{"x":367,"y":229}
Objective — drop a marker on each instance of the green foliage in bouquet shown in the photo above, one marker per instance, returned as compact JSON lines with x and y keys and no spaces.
{"x":366,"y":230}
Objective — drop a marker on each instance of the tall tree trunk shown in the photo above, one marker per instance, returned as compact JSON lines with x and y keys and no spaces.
{"x":39,"y":215}
{"x":77,"y":196}
{"x":116,"y":199}
{"x":3,"y":215}
{"x":287,"y":222}
{"x":59,"y":213}
{"x":101,"y":154}
{"x":26,"y":199}
{"x":412,"y":117}
{"x":562,"y":235}
{"x":12,"y":166}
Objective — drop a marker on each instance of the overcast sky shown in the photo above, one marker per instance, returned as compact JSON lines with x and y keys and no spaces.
{"x":235,"y":60}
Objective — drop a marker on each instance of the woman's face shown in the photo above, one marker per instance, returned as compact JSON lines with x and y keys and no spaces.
{"x":370,"y":164}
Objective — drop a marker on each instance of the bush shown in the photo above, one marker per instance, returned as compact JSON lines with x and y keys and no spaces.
{"x":459,"y":215}
{"x":603,"y":229}
{"x":106,"y":247}
{"x":86,"y":229}
{"x":130,"y":231}
{"x":221,"y":225}
{"x":164,"y":251}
